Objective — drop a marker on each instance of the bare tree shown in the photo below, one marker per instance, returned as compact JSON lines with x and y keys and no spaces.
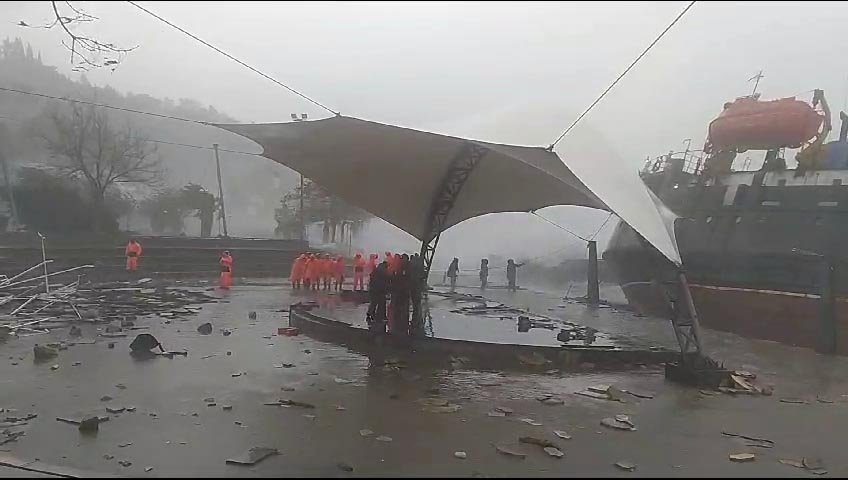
{"x":90,"y":148}
{"x":86,"y":52}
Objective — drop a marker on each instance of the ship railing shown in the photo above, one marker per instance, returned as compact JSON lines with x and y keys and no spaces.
{"x":693,"y":162}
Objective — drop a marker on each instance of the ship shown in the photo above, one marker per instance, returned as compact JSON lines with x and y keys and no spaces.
{"x":763,"y":245}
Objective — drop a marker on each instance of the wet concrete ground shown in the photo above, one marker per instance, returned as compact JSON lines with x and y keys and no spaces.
{"x":679,"y":431}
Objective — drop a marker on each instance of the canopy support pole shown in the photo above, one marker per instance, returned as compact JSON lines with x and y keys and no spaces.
{"x":443,"y":201}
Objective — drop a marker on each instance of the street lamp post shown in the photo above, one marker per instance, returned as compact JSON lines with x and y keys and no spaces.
{"x":295,"y":118}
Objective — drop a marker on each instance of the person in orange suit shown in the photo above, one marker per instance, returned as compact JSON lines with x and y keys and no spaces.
{"x":372,"y":263}
{"x":313,"y":271}
{"x":339,"y":270}
{"x":307,"y":272}
{"x":358,"y":272}
{"x":133,"y":251}
{"x":327,"y":271}
{"x":297,"y":271}
{"x":226,"y":263}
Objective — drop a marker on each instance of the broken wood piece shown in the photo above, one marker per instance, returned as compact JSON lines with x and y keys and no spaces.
{"x":253,"y":456}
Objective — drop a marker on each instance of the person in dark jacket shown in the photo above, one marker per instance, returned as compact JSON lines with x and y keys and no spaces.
{"x":401,"y":289}
{"x":453,"y":272}
{"x":512,"y":273}
{"x":378,"y":288}
{"x":484,"y":273}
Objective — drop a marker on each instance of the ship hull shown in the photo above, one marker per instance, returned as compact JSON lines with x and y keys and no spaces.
{"x":790,"y":318}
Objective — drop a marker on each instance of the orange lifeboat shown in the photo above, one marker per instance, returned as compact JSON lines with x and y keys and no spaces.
{"x":749,"y":124}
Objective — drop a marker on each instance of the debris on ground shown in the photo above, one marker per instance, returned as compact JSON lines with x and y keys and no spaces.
{"x":148,"y":469}
{"x":554,"y":452}
{"x":289,"y":403}
{"x":794,"y":400}
{"x":43,"y":352}
{"x":365,"y":432}
{"x":226,"y":407}
{"x":344,"y":467}
{"x":105,"y":398}
{"x":460,"y":455}
{"x":537,"y":441}
{"x":384,"y":438}
{"x":530,"y":421}
{"x":742,"y":457}
{"x":124,"y":463}
{"x":562,"y":434}
{"x":251,"y":315}
{"x":205,"y":329}
{"x":550,"y":400}
{"x":618,"y":424}
{"x":510,"y":451}
{"x":75,"y":331}
{"x":812,"y":465}
{"x":115,"y":409}
{"x":496,"y":413}
{"x":604,"y":392}
{"x":90,"y":424}
{"x":643,"y":395}
{"x":626,"y":466}
{"x":342,"y":381}
{"x":253,"y":456}
{"x":448,"y":408}
{"x":751,"y":441}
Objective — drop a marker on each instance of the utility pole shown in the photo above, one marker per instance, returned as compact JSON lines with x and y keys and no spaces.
{"x":756,"y":79}
{"x":220,"y":189}
{"x":302,"y":118}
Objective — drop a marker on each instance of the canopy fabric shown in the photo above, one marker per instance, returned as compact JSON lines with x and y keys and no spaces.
{"x":396,"y":173}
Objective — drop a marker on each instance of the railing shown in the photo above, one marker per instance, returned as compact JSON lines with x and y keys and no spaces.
{"x":693,"y":162}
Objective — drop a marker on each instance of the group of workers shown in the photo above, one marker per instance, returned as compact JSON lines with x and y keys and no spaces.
{"x":134,"y":249}
{"x":395,"y":287}
{"x":511,"y":273}
{"x":312,"y":271}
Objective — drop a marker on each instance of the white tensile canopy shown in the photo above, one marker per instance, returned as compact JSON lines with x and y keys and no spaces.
{"x":399,"y":175}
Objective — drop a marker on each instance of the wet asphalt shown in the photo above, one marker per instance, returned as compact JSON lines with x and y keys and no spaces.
{"x":679,"y":431}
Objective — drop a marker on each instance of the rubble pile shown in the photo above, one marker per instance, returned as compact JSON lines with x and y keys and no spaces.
{"x":31,"y":304}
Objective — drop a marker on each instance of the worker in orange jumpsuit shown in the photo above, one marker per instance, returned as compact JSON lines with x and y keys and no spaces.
{"x":313,"y":272}
{"x":372,"y":263}
{"x":133,"y":251}
{"x":339,"y":271}
{"x":226,"y":263}
{"x":327,"y":271}
{"x":358,"y":272}
{"x":297,"y":271}
{"x":307,"y":272}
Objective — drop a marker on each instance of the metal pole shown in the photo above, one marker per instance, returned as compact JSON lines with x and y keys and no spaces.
{"x":695,"y":325}
{"x":220,"y":189}
{"x":44,"y":259}
{"x":593,"y":294}
{"x":300,"y":212}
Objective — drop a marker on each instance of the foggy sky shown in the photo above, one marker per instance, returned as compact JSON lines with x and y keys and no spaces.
{"x":504,"y":72}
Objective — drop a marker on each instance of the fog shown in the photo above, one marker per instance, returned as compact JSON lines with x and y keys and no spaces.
{"x":504,"y":72}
